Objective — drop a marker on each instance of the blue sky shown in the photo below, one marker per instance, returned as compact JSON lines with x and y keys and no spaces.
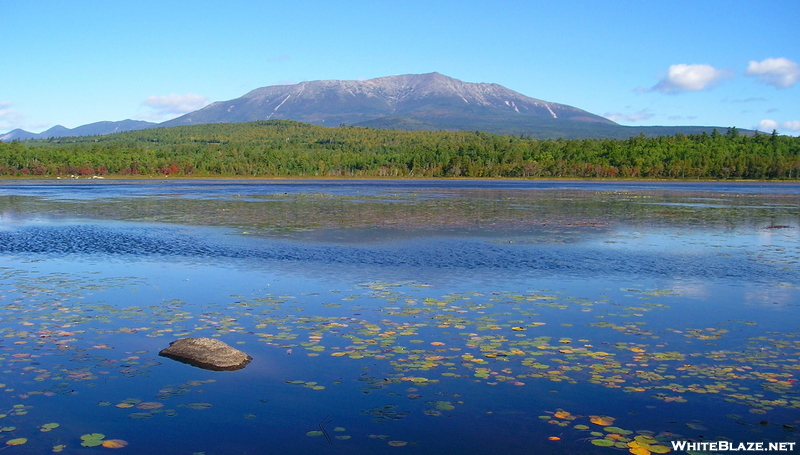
{"x":644,"y":62}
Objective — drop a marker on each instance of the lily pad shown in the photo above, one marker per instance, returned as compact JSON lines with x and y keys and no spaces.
{"x":92,"y":439}
{"x":603,"y":442}
{"x":198,"y":405}
{"x":150,"y":405}
{"x":114,"y":443}
{"x":601,"y":420}
{"x":617,"y":430}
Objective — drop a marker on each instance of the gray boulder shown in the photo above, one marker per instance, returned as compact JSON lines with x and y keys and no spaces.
{"x":206,"y":353}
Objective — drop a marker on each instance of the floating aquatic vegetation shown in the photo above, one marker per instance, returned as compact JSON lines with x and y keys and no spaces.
{"x":49,"y":427}
{"x":603,"y":442}
{"x":114,"y":443}
{"x":92,"y":439}
{"x":601,"y":420}
{"x":182,"y":389}
{"x":59,"y":337}
{"x":150,"y":405}
{"x":313,"y":385}
{"x":441,"y":405}
{"x":197,"y":405}
{"x":385,"y":413}
{"x":642,"y":443}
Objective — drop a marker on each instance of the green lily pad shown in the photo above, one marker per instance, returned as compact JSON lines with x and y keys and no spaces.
{"x":92,"y":439}
{"x":603,"y":442}
{"x":444,"y":406}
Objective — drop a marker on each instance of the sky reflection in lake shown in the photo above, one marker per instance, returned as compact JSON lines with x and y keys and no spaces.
{"x":383,"y":316}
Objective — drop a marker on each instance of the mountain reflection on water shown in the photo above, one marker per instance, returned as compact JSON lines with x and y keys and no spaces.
{"x":436,"y":316}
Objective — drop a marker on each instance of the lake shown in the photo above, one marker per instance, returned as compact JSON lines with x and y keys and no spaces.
{"x":398,"y":316}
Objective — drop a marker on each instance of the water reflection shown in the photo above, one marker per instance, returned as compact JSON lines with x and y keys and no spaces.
{"x":436,"y":317}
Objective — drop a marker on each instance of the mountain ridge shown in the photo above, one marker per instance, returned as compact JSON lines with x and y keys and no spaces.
{"x":430,"y":101}
{"x":429,"y":97}
{"x":90,"y":129}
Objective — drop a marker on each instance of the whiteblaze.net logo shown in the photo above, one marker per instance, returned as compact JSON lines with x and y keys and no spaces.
{"x":734,"y":446}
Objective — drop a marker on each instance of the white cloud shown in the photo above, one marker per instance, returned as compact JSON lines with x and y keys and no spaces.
{"x":778,"y":72}
{"x":617,"y":116}
{"x":691,"y":78}
{"x":793,"y":125}
{"x":162,"y":107}
{"x":768,"y":125}
{"x":9,"y":118}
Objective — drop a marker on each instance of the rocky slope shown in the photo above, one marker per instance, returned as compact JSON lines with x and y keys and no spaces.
{"x":431,"y":98}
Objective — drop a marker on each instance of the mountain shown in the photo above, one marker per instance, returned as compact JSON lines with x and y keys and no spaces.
{"x":92,"y":129}
{"x":18,"y":135}
{"x":429,"y":102}
{"x":111,"y":127}
{"x":412,"y":101}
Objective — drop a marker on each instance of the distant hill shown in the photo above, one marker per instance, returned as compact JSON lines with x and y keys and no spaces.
{"x":412,"y":102}
{"x":18,"y":135}
{"x":92,"y":129}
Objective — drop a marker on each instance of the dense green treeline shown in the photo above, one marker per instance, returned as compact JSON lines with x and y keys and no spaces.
{"x":286,"y":148}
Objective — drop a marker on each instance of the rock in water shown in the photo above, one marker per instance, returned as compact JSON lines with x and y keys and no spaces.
{"x":206,"y":353}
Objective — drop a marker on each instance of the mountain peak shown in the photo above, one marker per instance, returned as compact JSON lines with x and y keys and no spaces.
{"x":92,"y":129}
{"x":430,"y":101}
{"x":432,"y":98}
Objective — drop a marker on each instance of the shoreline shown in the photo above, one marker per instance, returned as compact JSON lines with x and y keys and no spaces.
{"x":379,"y":178}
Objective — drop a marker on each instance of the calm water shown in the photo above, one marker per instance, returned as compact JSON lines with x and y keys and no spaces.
{"x":423,"y":317}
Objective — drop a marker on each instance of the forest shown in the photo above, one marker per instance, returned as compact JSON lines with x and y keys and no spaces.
{"x":292,"y":149}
